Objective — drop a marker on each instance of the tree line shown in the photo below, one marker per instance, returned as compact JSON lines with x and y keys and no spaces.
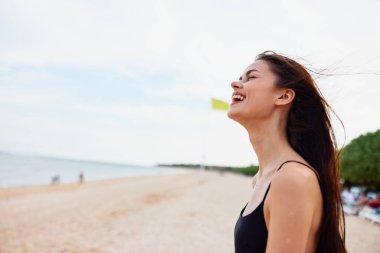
{"x":360,"y":161}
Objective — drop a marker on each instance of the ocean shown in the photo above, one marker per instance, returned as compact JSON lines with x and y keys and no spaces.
{"x":23,"y":170}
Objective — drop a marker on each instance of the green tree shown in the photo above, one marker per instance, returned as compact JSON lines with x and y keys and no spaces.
{"x":249,"y":171}
{"x":360,"y":161}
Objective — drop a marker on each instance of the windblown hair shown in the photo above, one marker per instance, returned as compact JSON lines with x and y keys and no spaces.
{"x":310,"y":133}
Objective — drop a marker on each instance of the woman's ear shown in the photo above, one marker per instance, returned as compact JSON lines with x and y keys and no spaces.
{"x":285,"y":96}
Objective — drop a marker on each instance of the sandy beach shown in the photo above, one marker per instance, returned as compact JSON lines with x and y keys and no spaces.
{"x":190,"y":212}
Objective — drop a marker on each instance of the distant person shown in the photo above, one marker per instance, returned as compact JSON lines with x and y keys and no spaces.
{"x":295,"y":205}
{"x":348,"y":197}
{"x":55,"y":180}
{"x":81,"y":177}
{"x":361,"y":202}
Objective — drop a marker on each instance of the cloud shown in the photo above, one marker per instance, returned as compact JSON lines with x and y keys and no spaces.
{"x":26,"y":97}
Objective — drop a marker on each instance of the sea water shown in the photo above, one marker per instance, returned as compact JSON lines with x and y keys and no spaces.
{"x":22,"y":170}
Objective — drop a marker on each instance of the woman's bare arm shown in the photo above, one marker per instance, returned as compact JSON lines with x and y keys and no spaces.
{"x":291,"y":203}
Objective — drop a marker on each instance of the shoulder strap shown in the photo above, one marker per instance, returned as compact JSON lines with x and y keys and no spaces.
{"x":265,"y":195}
{"x":288,"y":161}
{"x":316,"y":173}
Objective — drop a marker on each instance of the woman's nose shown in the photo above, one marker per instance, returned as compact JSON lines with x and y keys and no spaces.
{"x":236,"y":85}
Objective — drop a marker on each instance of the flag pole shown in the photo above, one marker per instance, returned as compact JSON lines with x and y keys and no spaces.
{"x":216,"y":104}
{"x":202,"y":165}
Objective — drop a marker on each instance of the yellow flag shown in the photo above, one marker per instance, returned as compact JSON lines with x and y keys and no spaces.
{"x":217,"y":104}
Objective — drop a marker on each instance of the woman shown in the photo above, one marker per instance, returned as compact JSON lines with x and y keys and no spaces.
{"x":295,"y":204}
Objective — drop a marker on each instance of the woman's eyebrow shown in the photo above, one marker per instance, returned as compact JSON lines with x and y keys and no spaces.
{"x":248,"y":72}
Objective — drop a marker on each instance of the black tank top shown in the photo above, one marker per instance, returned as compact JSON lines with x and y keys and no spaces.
{"x":251,"y":233}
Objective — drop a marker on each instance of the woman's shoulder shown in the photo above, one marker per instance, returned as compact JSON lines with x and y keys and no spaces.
{"x":296,"y":179}
{"x":296,"y":172}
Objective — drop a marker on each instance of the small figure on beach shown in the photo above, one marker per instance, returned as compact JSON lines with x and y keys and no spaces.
{"x":348,"y":197}
{"x":81,"y":177}
{"x":361,"y":201}
{"x":295,"y":203}
{"x":55,"y":180}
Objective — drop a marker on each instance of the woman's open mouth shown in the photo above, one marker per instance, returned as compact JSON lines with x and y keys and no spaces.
{"x":237,"y":98}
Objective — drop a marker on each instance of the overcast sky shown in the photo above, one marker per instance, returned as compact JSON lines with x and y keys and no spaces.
{"x":131,"y":81}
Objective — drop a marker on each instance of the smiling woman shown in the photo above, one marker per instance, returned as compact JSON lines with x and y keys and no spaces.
{"x":297,"y":209}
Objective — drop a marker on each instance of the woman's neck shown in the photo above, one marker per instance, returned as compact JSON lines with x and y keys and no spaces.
{"x":271,"y":146}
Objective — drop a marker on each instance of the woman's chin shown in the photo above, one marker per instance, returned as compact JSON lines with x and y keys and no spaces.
{"x":238,"y":117}
{"x":232,"y":114}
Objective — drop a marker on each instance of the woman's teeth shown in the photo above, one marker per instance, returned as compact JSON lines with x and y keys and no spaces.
{"x":238,"y":97}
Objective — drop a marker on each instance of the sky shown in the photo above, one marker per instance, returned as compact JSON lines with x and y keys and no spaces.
{"x":131,"y":81}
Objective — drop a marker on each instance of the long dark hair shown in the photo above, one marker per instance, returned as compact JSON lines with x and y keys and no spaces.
{"x":310,"y":133}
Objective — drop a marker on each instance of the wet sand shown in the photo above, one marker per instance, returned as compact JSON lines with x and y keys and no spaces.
{"x":192,"y":212}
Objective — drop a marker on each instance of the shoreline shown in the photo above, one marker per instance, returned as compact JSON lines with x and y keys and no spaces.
{"x":21,"y":191}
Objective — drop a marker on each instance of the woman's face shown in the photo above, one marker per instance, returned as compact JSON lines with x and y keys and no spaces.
{"x":255,"y":93}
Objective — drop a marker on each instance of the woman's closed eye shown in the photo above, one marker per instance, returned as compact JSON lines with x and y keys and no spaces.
{"x":248,"y":78}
